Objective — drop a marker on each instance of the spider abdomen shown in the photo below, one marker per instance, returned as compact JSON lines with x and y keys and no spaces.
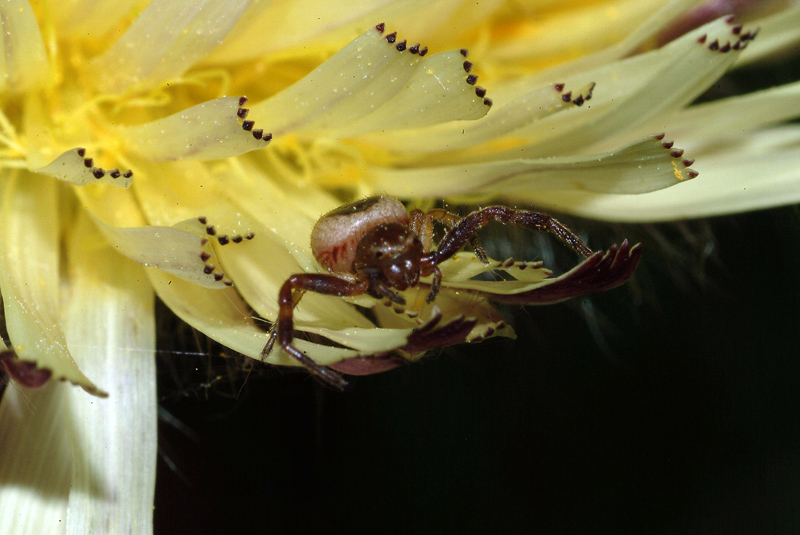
{"x":336,"y":235}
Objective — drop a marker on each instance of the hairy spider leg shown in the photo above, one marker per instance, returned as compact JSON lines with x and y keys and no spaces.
{"x":460,"y":234}
{"x":437,"y":282}
{"x":422,"y":223}
{"x":322,"y":284}
{"x":450,"y":220}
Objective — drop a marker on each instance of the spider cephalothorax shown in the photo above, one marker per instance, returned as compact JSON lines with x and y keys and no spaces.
{"x":375,"y":246}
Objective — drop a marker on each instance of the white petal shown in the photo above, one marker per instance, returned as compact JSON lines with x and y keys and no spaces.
{"x":23,"y":62}
{"x":29,"y":275}
{"x":35,"y":459}
{"x":110,"y":328}
{"x":167,"y":38}
{"x":208,"y":131}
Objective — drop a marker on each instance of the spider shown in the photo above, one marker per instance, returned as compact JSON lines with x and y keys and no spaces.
{"x":375,"y":246}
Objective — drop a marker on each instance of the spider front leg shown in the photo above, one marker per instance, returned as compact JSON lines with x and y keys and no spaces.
{"x":422,"y":223}
{"x":322,"y":284}
{"x":466,"y":228}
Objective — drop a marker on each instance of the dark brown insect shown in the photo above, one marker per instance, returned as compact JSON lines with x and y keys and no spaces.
{"x":375,"y":246}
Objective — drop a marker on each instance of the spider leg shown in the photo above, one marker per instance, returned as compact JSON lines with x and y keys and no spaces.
{"x":450,"y":220}
{"x":273,"y":331}
{"x":437,"y":282}
{"x":385,"y":291}
{"x":320,"y":283}
{"x":466,"y":228}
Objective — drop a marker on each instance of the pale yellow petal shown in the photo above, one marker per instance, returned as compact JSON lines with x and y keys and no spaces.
{"x":167,"y":38}
{"x":110,"y":328}
{"x":304,"y":29}
{"x":177,"y":251}
{"x":224,"y":317}
{"x":505,"y":119}
{"x":214,"y":129}
{"x":780,"y":34}
{"x":380,"y":81}
{"x":647,"y":165}
{"x":85,"y":19}
{"x":761,"y":174}
{"x":29,"y":275}
{"x":75,"y":167}
{"x":716,"y":123}
{"x":23,"y":62}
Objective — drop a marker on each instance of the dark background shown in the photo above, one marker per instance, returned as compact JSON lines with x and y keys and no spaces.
{"x":669,"y":405}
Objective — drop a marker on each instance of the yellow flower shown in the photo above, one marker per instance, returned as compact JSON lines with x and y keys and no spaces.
{"x":567,"y":116}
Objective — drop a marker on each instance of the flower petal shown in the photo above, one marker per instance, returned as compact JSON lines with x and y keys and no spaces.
{"x":110,"y":328}
{"x":734,"y":180}
{"x":208,"y":131}
{"x":183,"y":253}
{"x":601,"y":271}
{"x":73,"y":166}
{"x":310,"y":29}
{"x":29,"y":275}
{"x":516,"y":113}
{"x":713,"y":123}
{"x":34,"y":459}
{"x":781,"y":34}
{"x":224,"y":317}
{"x":647,"y":165}
{"x":167,"y":38}
{"x":82,"y":19}
{"x":24,"y":64}
{"x":376,"y":82}
{"x":655,"y":83}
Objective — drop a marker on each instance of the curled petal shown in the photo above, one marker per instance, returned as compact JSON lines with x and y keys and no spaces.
{"x":655,"y":83}
{"x":376,"y":82}
{"x":760,"y":172}
{"x":508,"y":116}
{"x":601,"y":271}
{"x":647,"y":165}
{"x":180,"y":252}
{"x":167,"y":38}
{"x":75,"y":167}
{"x":465,"y":266}
{"x":208,"y":131}
{"x":23,"y":62}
